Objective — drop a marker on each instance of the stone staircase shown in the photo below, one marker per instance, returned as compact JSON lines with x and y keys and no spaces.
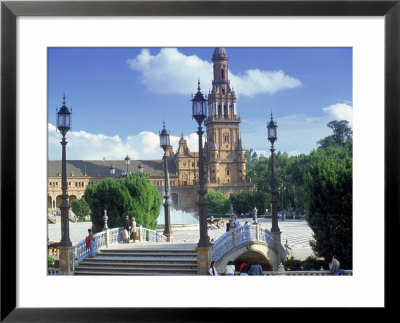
{"x":149,"y":261}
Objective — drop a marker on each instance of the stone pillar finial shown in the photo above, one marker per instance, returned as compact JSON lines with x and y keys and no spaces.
{"x":105,"y":218}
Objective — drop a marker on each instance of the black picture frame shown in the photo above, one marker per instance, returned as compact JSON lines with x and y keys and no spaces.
{"x":10,"y":10}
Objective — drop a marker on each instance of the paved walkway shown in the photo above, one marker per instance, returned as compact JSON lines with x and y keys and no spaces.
{"x":297,"y":232}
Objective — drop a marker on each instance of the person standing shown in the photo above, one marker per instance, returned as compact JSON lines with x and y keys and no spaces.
{"x":126,"y":227}
{"x":255,"y":269}
{"x":213,"y":270}
{"x":244,"y":269}
{"x":90,"y":237}
{"x":133,"y":230}
{"x":235,"y":224}
{"x":334,"y":266}
{"x":228,"y":223}
{"x":230,"y":269}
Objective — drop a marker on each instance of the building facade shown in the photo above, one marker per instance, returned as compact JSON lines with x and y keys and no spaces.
{"x":225,"y":161}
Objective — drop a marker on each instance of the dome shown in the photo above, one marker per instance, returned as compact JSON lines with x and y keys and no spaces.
{"x":219,"y":52}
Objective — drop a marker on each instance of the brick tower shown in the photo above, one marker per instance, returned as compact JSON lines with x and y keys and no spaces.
{"x":225,"y":155}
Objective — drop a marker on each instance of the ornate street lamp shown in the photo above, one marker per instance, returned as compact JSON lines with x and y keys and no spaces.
{"x":272,"y":137}
{"x":164,"y":144}
{"x":112,"y":171}
{"x":140,"y":168}
{"x":63,"y":125}
{"x":127,"y":162}
{"x":199,"y":112}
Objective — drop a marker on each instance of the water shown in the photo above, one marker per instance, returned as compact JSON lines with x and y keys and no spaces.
{"x":178,"y":217}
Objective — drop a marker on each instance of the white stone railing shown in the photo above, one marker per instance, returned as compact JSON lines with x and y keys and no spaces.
{"x":115,"y":236}
{"x":151,"y":235}
{"x":51,"y":271}
{"x":301,"y":273}
{"x":239,"y":236}
{"x":51,"y":217}
{"x":80,"y":250}
{"x":305,"y":273}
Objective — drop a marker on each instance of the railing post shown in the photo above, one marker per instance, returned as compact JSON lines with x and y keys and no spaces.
{"x":257,"y":233}
{"x":107,"y":237}
{"x":140,"y":233}
{"x":281,"y":269}
{"x":234,"y":238}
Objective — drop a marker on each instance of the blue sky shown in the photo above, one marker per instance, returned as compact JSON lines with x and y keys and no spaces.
{"x":120,"y":96}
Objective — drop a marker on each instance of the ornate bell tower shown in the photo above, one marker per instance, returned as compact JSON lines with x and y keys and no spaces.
{"x":225,"y":155}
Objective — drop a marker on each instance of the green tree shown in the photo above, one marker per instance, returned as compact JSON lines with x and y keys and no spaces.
{"x":133,"y":196}
{"x":80,"y":208}
{"x":218,"y":203}
{"x":341,"y":134}
{"x":146,"y":202}
{"x":111,"y":195}
{"x":242,"y":202}
{"x":329,"y":185}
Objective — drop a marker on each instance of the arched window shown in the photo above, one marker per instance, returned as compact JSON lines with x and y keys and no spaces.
{"x":223,"y":74}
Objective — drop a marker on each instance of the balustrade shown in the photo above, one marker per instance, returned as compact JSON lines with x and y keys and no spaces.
{"x":116,"y":236}
{"x":243,"y":234}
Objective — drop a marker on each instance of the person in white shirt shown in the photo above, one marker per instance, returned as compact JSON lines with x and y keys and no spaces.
{"x":230,"y":269}
{"x":234,"y":224}
{"x":213,"y":270}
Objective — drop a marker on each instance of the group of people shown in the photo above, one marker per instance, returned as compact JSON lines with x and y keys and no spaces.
{"x":130,"y":231}
{"x":245,"y":269}
{"x":129,"y":234}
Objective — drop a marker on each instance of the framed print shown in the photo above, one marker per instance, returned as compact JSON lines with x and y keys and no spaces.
{"x":188,"y":24}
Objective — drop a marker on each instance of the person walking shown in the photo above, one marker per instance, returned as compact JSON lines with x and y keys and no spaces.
{"x":255,"y":269}
{"x":230,"y":269}
{"x":213,"y":270}
{"x":133,"y":230}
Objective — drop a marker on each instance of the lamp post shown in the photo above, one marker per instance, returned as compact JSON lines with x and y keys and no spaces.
{"x":164,"y":144}
{"x":140,"y":168}
{"x":127,"y":162}
{"x":272,"y":137}
{"x":65,"y":244}
{"x":199,"y":113}
{"x":112,"y":171}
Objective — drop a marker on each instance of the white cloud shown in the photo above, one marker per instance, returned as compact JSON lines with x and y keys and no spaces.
{"x":170,"y":71}
{"x":340,"y":111}
{"x":297,"y":133}
{"x":87,"y":146}
{"x":253,"y":82}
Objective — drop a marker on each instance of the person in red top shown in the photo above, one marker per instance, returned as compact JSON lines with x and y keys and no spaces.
{"x":90,"y":237}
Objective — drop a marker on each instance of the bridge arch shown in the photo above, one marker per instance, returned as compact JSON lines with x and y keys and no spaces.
{"x":252,"y":252}
{"x":249,"y":242}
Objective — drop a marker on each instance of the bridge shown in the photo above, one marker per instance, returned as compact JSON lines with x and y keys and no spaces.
{"x":249,"y":242}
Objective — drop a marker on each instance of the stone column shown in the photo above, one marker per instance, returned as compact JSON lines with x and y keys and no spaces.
{"x":278,"y":247}
{"x":66,"y":256}
{"x":107,"y":238}
{"x":204,"y":256}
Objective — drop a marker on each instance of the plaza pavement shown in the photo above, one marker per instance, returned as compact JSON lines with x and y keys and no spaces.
{"x":297,"y":232}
